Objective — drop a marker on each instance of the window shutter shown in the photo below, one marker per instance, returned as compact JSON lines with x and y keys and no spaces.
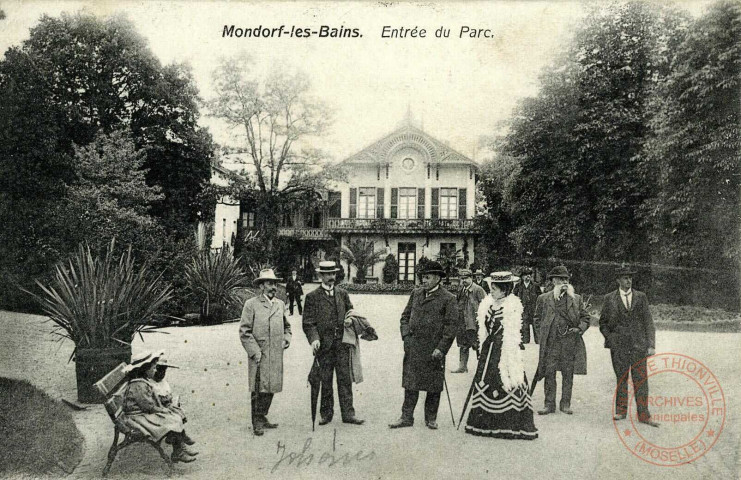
{"x":394,"y":203}
{"x":353,"y":202}
{"x":379,"y":203}
{"x":462,"y":203}
{"x":420,"y":203}
{"x":435,"y":203}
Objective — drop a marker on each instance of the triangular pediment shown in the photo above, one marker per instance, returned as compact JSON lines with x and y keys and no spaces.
{"x":431,"y":149}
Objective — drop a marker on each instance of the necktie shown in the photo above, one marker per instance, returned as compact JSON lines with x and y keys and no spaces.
{"x":627,"y":301}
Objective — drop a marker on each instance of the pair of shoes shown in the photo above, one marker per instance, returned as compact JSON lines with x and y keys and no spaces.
{"x":432,"y":425}
{"x":269,"y":425}
{"x":619,"y":416}
{"x":187,"y":440}
{"x":353,"y":421}
{"x":546,"y":411}
{"x":401,"y":423}
{"x":181,"y":456}
{"x":648,"y":422}
{"x":257,"y":430}
{"x":324,"y":421}
{"x":461,"y":369}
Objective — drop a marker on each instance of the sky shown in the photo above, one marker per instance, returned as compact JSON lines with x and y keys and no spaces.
{"x":459,"y":90}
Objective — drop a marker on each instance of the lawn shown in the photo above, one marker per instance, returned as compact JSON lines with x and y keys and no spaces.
{"x":37,"y":434}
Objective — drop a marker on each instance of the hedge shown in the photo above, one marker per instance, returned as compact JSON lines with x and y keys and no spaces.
{"x":388,"y":288}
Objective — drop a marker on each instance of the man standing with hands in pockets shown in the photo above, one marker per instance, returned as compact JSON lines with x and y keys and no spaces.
{"x":324,"y":325}
{"x":428,"y":327}
{"x":265,"y":333}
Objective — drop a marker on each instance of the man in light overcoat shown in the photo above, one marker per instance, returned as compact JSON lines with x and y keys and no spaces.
{"x":265,"y":333}
{"x":428,"y":327}
{"x":629,"y":332}
{"x":561,"y":319}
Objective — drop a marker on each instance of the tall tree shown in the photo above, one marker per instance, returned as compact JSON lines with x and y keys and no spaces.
{"x":277,"y":116}
{"x":77,"y":76}
{"x":580,"y":140}
{"x":694,"y":152}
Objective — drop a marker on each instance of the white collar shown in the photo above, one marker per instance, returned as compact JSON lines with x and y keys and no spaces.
{"x":327,"y":287}
{"x":628,"y":293}
{"x":430,"y":291}
{"x":268,"y":298}
{"x":527,"y":284}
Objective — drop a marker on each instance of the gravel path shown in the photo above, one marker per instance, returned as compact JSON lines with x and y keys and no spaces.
{"x":213,"y":387}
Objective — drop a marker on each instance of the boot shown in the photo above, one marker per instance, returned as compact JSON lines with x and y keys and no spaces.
{"x":463,"y":368}
{"x":187,"y":440}
{"x":179,"y":454}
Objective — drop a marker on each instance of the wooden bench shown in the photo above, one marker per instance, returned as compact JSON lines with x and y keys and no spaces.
{"x":113,"y":387}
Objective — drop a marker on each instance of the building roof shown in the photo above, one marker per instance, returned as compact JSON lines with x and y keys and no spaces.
{"x":407,"y":136}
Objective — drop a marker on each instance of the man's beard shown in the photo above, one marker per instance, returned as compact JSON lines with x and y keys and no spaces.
{"x":569,"y":291}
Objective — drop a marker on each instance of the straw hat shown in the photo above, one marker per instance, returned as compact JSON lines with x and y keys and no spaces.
{"x":501,"y":277}
{"x":327,"y":266}
{"x":265,"y":275}
{"x":141,"y":359}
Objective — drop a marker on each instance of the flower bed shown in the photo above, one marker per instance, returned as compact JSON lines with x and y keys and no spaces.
{"x":385,"y":288}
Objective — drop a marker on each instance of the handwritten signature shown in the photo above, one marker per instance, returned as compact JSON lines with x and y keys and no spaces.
{"x":305,"y":457}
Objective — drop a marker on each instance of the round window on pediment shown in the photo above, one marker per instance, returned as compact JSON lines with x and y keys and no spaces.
{"x":408,"y":164}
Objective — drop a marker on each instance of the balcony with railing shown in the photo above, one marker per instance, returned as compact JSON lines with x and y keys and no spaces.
{"x":387,"y":225}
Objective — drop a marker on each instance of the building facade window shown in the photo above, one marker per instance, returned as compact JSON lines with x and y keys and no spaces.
{"x":449,"y":203}
{"x":407,"y":261}
{"x":367,"y":202}
{"x":407,"y":203}
{"x":248,"y":219}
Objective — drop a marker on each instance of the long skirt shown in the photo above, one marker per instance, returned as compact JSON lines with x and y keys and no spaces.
{"x":494,"y":411}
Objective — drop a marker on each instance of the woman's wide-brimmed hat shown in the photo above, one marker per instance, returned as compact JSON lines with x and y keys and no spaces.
{"x":141,"y":359}
{"x":432,"y":267}
{"x":327,"y":266}
{"x":501,"y":277}
{"x":559,"y":271}
{"x":165,"y":362}
{"x":265,"y":275}
{"x":624,"y":270}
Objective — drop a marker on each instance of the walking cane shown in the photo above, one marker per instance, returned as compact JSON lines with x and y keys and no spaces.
{"x":445,"y":382}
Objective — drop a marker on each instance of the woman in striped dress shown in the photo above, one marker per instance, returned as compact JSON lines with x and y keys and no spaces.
{"x":500,"y":404}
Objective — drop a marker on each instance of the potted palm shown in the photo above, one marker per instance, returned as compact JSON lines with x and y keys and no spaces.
{"x":360,"y":253}
{"x":215,"y":279}
{"x":101,"y":304}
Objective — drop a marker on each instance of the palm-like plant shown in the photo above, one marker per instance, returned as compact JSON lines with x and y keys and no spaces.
{"x":102,"y":303}
{"x":450,"y":259}
{"x":360,"y":252}
{"x":214,"y":278}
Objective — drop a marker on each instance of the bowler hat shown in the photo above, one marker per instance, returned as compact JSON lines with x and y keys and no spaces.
{"x":559,"y":271}
{"x":479,"y":272}
{"x":265,"y":275}
{"x":434,"y":268}
{"x":526,"y":271}
{"x":624,"y":270}
{"x":327,"y":266}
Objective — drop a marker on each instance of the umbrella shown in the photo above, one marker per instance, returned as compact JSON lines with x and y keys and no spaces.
{"x":536,"y":378}
{"x":315,"y":381}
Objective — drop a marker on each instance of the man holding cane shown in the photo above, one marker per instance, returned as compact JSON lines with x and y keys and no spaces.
{"x":428,"y":327}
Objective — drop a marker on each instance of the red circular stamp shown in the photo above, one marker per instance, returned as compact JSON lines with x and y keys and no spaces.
{"x":675,"y":421}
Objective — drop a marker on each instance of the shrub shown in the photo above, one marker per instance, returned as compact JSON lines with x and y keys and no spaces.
{"x":390,"y":269}
{"x":102,"y":303}
{"x":214,"y":279}
{"x":389,"y":288}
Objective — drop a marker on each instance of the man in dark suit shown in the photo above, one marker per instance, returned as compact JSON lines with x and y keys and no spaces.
{"x":528,"y":291}
{"x":629,"y":332}
{"x":478,"y":279}
{"x":294,"y":291}
{"x":324,"y":324}
{"x":560,"y":319}
{"x":428,"y":327}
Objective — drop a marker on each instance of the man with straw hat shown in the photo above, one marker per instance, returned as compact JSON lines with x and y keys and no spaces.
{"x":629,"y":332}
{"x":265,"y":333}
{"x":428,"y":327}
{"x":325,"y":318}
{"x":561,"y":319}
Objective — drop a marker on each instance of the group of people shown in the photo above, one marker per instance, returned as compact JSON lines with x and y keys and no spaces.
{"x":500,"y":394}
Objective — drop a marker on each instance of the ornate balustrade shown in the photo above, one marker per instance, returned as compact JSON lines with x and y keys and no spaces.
{"x":380,"y":225}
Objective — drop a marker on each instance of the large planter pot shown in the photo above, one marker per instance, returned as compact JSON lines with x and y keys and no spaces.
{"x":92,"y":364}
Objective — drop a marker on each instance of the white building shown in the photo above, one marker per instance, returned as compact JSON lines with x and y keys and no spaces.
{"x":408,"y":193}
